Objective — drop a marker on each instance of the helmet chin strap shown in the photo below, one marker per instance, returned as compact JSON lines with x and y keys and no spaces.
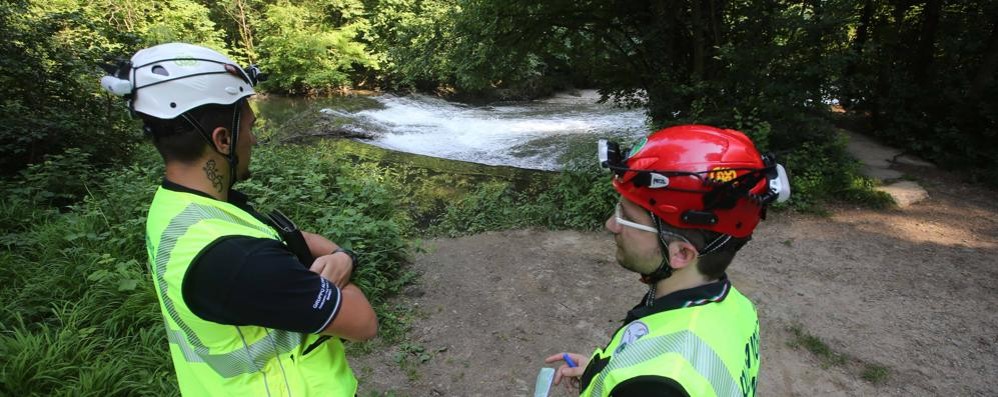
{"x":664,"y":270}
{"x":233,"y":158}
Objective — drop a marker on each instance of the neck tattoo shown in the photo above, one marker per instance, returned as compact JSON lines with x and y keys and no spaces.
{"x":211,"y":171}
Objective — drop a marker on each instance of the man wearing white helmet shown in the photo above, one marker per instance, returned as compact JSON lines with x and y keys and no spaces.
{"x":243,"y":315}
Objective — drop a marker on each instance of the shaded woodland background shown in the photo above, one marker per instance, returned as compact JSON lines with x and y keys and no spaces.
{"x":78,"y":315}
{"x":920,"y":74}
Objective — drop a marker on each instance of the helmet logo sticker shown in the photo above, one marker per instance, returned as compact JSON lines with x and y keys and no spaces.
{"x":632,"y":333}
{"x":722,"y":174}
{"x":185,"y":60}
{"x":658,"y":181}
{"x":637,"y":148}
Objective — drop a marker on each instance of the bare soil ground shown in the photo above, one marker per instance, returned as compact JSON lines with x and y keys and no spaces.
{"x":911,"y":290}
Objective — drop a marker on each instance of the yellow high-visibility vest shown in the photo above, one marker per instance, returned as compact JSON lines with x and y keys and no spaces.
{"x":213,"y":359}
{"x":709,"y":350}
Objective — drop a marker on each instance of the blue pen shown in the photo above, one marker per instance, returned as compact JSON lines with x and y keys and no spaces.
{"x":568,"y":360}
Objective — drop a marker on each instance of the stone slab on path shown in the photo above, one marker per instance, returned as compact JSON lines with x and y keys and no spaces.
{"x":877,"y":159}
{"x":905,"y":193}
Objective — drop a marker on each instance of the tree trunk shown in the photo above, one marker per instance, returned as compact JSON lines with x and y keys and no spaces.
{"x":716,"y":13}
{"x":862,"y":34}
{"x":892,"y":51}
{"x":927,"y":40}
{"x":816,"y":32}
{"x":863,"y":30}
{"x":989,"y":67}
{"x":816,"y":38}
{"x":699,"y":50}
{"x":239,"y":14}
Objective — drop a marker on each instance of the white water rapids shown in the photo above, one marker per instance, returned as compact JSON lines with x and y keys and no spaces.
{"x":526,"y":134}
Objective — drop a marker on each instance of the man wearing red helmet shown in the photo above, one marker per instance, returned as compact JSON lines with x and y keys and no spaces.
{"x":690,"y":198}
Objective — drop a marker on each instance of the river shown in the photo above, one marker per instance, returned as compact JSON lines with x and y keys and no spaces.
{"x":532,"y":135}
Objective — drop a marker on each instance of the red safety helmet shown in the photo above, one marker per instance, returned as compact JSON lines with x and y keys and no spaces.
{"x":698,"y":177}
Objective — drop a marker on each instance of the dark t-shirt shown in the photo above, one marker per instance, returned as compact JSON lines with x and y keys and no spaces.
{"x":242,"y":280}
{"x":660,"y":386}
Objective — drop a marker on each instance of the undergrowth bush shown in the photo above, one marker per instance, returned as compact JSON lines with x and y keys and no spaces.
{"x":334,"y":200}
{"x":580,"y":197}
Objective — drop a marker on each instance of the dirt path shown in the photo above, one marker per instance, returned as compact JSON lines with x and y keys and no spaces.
{"x":911,"y":290}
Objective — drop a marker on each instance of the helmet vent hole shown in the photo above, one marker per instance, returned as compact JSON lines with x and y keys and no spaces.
{"x":160,"y":70}
{"x":240,"y":89}
{"x":173,"y":104}
{"x":651,"y":201}
{"x":738,"y":225}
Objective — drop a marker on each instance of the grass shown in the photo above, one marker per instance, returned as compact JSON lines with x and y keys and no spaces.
{"x":816,"y":346}
{"x":874,"y":373}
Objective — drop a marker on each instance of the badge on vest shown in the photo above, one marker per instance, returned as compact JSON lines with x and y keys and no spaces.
{"x":632,"y":333}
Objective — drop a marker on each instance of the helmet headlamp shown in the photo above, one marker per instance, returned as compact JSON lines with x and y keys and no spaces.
{"x":609,"y":154}
{"x":255,"y":75}
{"x":780,"y":185}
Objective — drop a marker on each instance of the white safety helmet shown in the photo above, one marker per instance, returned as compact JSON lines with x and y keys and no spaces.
{"x":167,"y":80}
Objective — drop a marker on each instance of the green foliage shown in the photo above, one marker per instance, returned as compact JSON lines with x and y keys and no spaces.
{"x":49,"y":98}
{"x":756,"y":128}
{"x":306,"y":52}
{"x":179,"y":20}
{"x":490,"y":206}
{"x":463,"y":47}
{"x":923,"y":71}
{"x":415,"y":37}
{"x":57,"y":181}
{"x":581,"y":197}
{"x":78,"y":314}
{"x":351,"y":208}
{"x":823,"y":171}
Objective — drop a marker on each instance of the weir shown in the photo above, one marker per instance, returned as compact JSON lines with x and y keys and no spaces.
{"x":531,"y":135}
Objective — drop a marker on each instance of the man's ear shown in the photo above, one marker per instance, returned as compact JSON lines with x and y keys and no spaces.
{"x":681,"y":254}
{"x":222,"y":139}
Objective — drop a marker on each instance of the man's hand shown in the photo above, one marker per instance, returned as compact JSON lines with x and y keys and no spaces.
{"x":336,"y":267}
{"x":565,"y":371}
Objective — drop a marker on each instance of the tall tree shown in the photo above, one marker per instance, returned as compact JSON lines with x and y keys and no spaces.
{"x":927,"y":39}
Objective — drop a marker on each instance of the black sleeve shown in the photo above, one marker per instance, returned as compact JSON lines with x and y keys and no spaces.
{"x":649,"y":386}
{"x":241,"y":280}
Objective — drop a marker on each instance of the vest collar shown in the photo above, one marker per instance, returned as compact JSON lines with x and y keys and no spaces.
{"x":235,"y":197}
{"x":704,"y":294}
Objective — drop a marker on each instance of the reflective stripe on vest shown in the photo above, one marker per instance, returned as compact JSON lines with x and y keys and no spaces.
{"x":687,"y":344}
{"x":249,"y":359}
